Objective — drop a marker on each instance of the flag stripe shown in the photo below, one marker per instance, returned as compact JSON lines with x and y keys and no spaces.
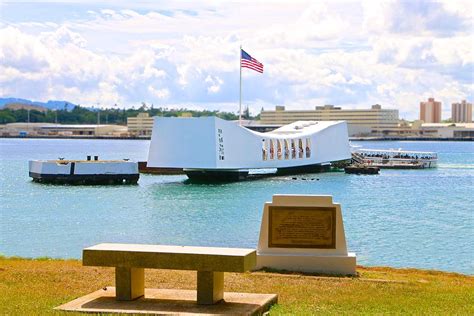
{"x":251,"y":65}
{"x":253,"y":60}
{"x":253,"y":68}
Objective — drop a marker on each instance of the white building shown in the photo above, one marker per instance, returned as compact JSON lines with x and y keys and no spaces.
{"x":213,"y":144}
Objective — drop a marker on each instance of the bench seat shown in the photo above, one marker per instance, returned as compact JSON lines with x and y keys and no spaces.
{"x":130,"y":260}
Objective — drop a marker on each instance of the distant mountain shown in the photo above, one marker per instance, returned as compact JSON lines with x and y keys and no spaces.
{"x":24,"y":106}
{"x":52,"y":105}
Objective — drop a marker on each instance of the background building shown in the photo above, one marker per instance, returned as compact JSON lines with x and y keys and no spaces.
{"x":364,"y":122}
{"x":446,"y":130}
{"x":23,"y":129}
{"x":430,"y":111}
{"x":48,"y":129}
{"x":141,"y":125}
{"x":85,"y":130}
{"x":461,"y":112}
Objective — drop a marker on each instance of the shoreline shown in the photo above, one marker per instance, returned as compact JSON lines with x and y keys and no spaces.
{"x":437,"y":139}
{"x":369,"y":267}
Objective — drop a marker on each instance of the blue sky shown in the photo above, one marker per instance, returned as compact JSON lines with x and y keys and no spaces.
{"x":185,"y":54}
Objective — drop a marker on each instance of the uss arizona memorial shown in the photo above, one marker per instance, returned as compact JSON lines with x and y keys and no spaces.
{"x":210,"y":147}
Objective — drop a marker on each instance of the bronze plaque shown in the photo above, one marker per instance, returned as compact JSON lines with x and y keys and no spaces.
{"x":302,"y":227}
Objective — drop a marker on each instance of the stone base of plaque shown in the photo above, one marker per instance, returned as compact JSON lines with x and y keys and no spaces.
{"x":324,"y":264}
{"x":304,"y":233}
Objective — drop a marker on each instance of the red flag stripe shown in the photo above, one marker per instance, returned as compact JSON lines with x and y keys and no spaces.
{"x":253,"y":61}
{"x":251,"y":65}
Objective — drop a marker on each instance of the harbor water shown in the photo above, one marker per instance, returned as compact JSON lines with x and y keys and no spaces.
{"x":400,"y":218}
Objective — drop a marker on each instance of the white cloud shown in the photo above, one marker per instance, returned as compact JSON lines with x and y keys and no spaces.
{"x":214,"y":84}
{"x":62,"y":36}
{"x":22,"y":52}
{"x":159,"y":93}
{"x":420,"y":18}
{"x":462,"y":8}
{"x":345,"y":53}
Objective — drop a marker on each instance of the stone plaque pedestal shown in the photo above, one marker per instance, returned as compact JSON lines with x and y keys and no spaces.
{"x":304,"y":233}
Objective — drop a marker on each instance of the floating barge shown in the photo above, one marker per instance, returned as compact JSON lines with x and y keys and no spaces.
{"x":361,"y":169}
{"x":143,"y":168}
{"x":212,"y":149}
{"x":88,"y":171}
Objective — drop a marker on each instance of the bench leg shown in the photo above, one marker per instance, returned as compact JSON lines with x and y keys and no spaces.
{"x":210,"y":287}
{"x":129,"y":283}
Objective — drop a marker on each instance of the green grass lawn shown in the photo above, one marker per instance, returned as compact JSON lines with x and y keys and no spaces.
{"x":33,"y":287}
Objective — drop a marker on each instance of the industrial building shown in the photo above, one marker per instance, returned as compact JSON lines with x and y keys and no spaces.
{"x":49,"y":129}
{"x":445,"y":130}
{"x":85,"y":130}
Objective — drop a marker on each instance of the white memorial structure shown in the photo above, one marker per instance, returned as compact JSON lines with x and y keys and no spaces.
{"x":210,"y":147}
{"x":304,"y":233}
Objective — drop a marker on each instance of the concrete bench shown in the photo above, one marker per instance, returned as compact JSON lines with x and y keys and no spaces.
{"x":130,"y":260}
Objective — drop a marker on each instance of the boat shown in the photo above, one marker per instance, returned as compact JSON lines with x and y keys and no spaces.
{"x":212,"y":149}
{"x":395,"y":159}
{"x":62,"y":171}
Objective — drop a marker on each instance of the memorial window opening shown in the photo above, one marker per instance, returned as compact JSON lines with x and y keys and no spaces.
{"x":293,"y":149}
{"x":272,"y":150}
{"x":264,"y":150}
{"x":279,"y":149}
{"x":308,"y":147}
{"x":287,"y":149}
{"x":300,"y":148}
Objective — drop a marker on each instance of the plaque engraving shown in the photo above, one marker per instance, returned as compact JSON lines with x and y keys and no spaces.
{"x":302,"y":227}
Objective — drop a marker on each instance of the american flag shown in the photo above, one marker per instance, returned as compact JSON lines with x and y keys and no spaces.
{"x":247,"y":61}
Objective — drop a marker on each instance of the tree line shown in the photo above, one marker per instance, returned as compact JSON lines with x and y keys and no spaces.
{"x":83,"y":115}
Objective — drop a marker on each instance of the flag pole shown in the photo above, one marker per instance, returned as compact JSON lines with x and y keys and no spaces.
{"x":240,"y":88}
